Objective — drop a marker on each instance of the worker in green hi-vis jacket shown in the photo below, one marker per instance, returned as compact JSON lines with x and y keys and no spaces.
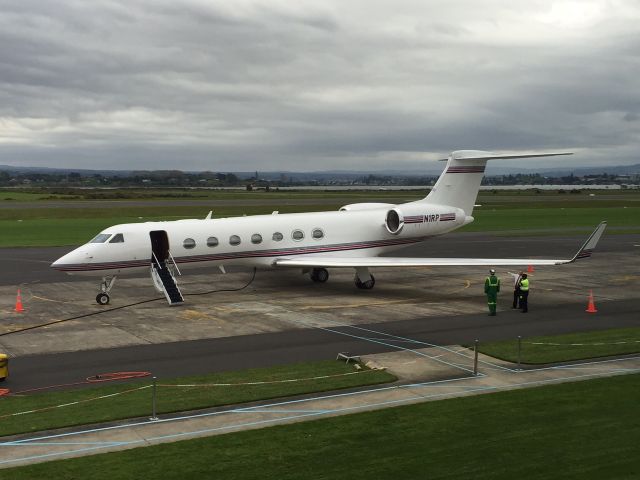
{"x":491,"y":289}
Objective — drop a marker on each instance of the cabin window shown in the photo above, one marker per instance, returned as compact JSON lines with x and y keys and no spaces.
{"x":317,"y":233}
{"x":189,"y":243}
{"x":256,"y":238}
{"x":234,"y":240}
{"x":117,"y":238}
{"x":277,"y":236}
{"x":297,"y":235}
{"x":212,"y":242}
{"x":100,"y":238}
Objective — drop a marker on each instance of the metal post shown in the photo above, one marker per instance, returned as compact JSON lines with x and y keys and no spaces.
{"x":153,"y":401}
{"x":519,"y":350}
{"x":475,"y":359}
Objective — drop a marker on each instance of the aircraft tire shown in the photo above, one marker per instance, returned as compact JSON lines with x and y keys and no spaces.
{"x":319,"y":275}
{"x":102,"y":299}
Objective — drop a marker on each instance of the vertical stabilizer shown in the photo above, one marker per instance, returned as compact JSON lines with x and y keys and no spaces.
{"x":459,"y":183}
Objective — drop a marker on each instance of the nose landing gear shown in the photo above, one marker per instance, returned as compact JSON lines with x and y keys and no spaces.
{"x":102,"y":298}
{"x":105,"y":287}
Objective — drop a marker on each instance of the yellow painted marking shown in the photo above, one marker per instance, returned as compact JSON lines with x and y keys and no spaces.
{"x":466,"y":285}
{"x":626,"y":278}
{"x":224,"y":309}
{"x":194,"y":315}
{"x":52,"y":300}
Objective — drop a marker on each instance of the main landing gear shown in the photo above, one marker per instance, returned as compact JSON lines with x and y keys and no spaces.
{"x":319,"y":275}
{"x":105,"y":287}
{"x":364,"y":280}
{"x":367,"y":284}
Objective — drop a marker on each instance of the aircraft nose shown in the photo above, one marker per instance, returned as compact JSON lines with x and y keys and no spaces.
{"x":61,"y":262}
{"x":72,"y":258}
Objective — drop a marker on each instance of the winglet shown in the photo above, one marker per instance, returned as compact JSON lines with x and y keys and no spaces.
{"x":588,"y":246}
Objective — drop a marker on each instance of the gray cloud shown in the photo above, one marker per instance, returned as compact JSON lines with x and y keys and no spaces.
{"x":302,"y":85}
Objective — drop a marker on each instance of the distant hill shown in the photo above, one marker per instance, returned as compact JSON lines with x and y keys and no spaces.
{"x":53,"y":170}
{"x":429,"y":170}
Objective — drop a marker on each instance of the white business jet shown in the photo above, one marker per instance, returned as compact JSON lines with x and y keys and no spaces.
{"x":353,"y":237}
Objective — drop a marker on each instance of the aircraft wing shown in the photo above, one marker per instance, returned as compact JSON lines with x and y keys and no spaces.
{"x":310,"y":261}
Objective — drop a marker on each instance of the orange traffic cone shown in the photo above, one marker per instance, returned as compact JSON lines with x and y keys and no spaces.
{"x":530,"y":269}
{"x":591,"y":308}
{"x":19,"y":302}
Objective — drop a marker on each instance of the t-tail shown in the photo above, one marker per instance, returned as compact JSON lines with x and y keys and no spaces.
{"x":459,"y":183}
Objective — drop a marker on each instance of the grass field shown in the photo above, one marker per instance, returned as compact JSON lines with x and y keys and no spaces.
{"x":137,"y":402}
{"x":22,"y":196}
{"x":75,"y":227}
{"x":203,"y":194}
{"x":583,"y":430}
{"x":65,"y":227}
{"x":561,"y":348}
{"x":23,"y":223}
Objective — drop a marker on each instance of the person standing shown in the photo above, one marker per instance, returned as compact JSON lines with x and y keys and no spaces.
{"x":491,"y":289}
{"x":516,"y":288}
{"x":524,"y":293}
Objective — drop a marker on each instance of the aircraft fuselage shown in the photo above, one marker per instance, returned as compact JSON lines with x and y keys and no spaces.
{"x":257,"y":240}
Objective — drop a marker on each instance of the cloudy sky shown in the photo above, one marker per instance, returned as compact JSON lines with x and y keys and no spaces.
{"x":300,"y":85}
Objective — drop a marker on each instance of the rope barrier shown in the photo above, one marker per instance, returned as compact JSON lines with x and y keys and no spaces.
{"x":77,"y":402}
{"x":102,"y":377}
{"x":266,"y":382}
{"x":125,"y":375}
{"x":110,"y":377}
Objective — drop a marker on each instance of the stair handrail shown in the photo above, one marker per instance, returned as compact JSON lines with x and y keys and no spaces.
{"x":156,"y":258}
{"x":174,"y":263}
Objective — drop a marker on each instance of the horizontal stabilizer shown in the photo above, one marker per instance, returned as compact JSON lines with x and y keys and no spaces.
{"x":480,"y":155}
{"x":460,"y":180}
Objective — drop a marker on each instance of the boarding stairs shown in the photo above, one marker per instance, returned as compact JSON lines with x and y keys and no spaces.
{"x":164,"y":280}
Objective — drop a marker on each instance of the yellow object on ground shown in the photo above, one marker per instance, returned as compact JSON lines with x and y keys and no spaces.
{"x":4,"y":366}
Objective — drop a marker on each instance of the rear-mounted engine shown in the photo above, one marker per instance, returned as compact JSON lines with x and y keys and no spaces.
{"x":394,"y":222}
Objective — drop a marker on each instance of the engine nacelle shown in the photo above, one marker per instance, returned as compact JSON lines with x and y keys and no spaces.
{"x":394,"y":221}
{"x":364,"y":206}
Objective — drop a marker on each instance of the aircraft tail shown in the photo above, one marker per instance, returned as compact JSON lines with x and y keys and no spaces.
{"x":459,"y":183}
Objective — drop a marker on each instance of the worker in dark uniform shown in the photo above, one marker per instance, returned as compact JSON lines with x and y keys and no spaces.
{"x":516,"y":288}
{"x":491,"y":289}
{"x":524,"y":293}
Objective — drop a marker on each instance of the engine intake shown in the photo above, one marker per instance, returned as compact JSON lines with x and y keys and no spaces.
{"x":394,"y":221}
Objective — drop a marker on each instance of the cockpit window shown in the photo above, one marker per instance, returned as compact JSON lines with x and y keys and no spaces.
{"x":101,"y":238}
{"x":117,"y":238}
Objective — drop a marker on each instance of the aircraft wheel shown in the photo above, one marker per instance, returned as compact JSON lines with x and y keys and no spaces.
{"x":319,"y":275}
{"x":102,"y":298}
{"x":368,"y":285}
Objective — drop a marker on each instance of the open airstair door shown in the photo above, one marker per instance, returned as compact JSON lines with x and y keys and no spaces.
{"x":161,"y":274}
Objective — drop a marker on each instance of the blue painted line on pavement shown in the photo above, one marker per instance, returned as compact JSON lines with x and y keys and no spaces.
{"x":56,"y":444}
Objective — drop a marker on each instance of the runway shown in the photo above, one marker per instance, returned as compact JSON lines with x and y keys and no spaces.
{"x":283,"y":318}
